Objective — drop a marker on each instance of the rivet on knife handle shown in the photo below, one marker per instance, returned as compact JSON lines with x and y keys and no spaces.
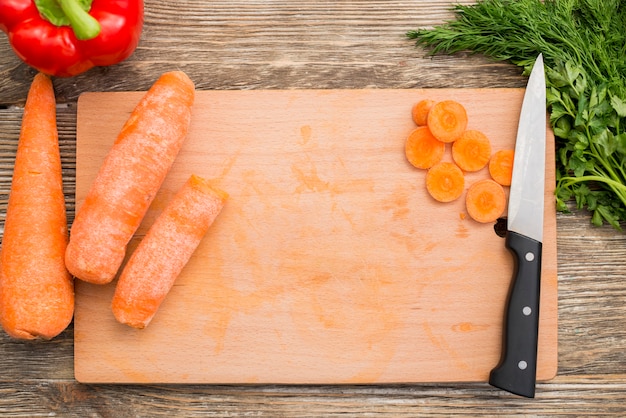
{"x":517,"y":370}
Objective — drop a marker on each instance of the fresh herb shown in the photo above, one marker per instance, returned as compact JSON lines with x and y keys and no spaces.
{"x":583,"y":43}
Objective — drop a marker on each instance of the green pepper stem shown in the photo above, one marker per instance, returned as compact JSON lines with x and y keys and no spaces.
{"x":84,"y":25}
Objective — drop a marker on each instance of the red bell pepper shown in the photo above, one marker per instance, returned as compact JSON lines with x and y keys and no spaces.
{"x":67,"y":37}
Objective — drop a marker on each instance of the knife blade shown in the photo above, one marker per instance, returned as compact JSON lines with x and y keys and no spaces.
{"x":517,"y":369}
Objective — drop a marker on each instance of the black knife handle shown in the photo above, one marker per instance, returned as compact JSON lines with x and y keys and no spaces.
{"x":517,"y":370}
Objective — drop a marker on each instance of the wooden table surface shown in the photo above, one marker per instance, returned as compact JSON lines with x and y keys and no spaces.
{"x":254,"y":44}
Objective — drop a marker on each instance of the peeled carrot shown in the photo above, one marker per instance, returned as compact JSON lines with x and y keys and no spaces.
{"x":445,"y":182}
{"x":447,"y":120}
{"x":129,"y":178}
{"x":36,"y":290}
{"x":485,"y":201}
{"x":501,"y":166}
{"x":472,"y":151}
{"x":161,"y":255}
{"x":422,"y":149}
{"x":419,"y":111}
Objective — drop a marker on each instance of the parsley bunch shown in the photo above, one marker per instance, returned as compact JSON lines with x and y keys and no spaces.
{"x":584,"y":49}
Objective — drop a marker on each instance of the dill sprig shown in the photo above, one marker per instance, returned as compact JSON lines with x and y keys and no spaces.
{"x":583,"y":43}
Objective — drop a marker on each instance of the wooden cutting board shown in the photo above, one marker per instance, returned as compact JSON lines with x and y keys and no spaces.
{"x":329,"y":263}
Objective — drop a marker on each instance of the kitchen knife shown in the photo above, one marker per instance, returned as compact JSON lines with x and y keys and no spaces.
{"x":516,"y":372}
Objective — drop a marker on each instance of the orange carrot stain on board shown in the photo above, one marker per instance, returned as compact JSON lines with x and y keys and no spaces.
{"x":462,"y":231}
{"x":308,"y":179}
{"x":238,"y":283}
{"x":409,"y":239}
{"x":340,"y":161}
{"x":257,"y":192}
{"x":440,"y":342}
{"x":305,"y":134}
{"x":128,"y":368}
{"x":226,"y":302}
{"x":398,"y":204}
{"x":468,"y":327}
{"x":252,"y":182}
{"x":229,"y":163}
{"x":345,"y":318}
{"x":352,"y":186}
{"x":348,"y":216}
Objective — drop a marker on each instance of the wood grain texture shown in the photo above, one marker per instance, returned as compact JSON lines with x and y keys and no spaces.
{"x":316,"y":44}
{"x":330,"y":258}
{"x":283,"y":44}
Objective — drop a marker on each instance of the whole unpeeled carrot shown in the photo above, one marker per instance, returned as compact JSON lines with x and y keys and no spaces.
{"x":129,"y":178}
{"x":36,"y":290}
{"x":161,"y":255}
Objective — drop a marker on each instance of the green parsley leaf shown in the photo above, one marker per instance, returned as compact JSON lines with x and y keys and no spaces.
{"x":582,"y":42}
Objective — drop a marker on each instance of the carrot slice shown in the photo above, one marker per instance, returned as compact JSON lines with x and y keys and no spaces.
{"x":36,"y":290}
{"x":129,"y":178}
{"x":501,"y":166}
{"x":445,"y":182}
{"x":419,"y":111}
{"x":472,"y":151}
{"x":161,"y":255}
{"x":485,"y":201}
{"x":447,"y":120}
{"x":422,"y":149}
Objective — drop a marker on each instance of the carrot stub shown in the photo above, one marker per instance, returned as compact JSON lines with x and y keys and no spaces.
{"x":445,"y":182}
{"x":36,"y":290}
{"x":501,"y":166}
{"x":419,"y":111}
{"x":129,"y":179}
{"x":161,"y":255}
{"x":485,"y":201}
{"x":472,"y":151}
{"x":447,"y":120}
{"x":422,"y":149}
